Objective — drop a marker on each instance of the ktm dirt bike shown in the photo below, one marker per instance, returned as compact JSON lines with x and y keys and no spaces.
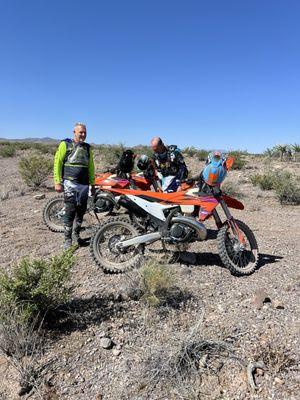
{"x":119,"y":244}
{"x":103,"y":202}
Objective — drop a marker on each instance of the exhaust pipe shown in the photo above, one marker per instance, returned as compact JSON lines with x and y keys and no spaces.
{"x":193,"y":224}
{"x":148,"y":238}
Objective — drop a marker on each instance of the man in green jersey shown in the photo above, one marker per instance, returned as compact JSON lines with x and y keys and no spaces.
{"x":74,"y":172}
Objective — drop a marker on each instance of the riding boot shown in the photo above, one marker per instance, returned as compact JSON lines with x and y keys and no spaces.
{"x":68,"y":237}
{"x":76,"y":233}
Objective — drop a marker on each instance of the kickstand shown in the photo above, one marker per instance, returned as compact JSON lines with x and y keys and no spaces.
{"x":98,"y":220}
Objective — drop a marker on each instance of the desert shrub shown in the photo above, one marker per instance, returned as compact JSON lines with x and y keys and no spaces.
{"x":23,"y":145}
{"x":296,"y":151}
{"x":110,"y":154}
{"x":142,"y":149}
{"x":238,"y":152}
{"x":22,"y":342}
{"x":285,"y":184}
{"x":37,"y":286}
{"x":181,"y":366}
{"x":7,"y":150}
{"x":265,"y":181}
{"x":231,"y":189}
{"x":32,"y":290}
{"x":159,"y":288}
{"x":288,"y":190}
{"x":154,"y":284}
{"x":192,"y":151}
{"x":44,"y":148}
{"x":239,"y":163}
{"x":239,"y":160}
{"x":34,"y":170}
{"x":202,"y":154}
{"x":276,"y":355}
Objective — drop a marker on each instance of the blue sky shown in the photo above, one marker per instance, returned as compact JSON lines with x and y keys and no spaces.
{"x":213,"y":74}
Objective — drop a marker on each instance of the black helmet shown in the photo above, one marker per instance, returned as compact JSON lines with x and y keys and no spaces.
{"x":126,"y":162}
{"x":143,"y":162}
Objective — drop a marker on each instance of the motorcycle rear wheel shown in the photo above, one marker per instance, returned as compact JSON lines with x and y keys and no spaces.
{"x":240,"y":261}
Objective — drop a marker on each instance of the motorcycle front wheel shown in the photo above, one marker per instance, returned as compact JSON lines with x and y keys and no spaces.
{"x":104,"y":250}
{"x":239,"y":259}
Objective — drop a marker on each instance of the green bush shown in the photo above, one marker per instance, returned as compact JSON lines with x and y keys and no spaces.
{"x":192,"y":151}
{"x":285,"y":184}
{"x":37,"y":286}
{"x":239,"y":160}
{"x":7,"y":150}
{"x":142,"y":149}
{"x":231,"y":189}
{"x":35,"y":170}
{"x":110,"y":154}
{"x":156,"y":282}
{"x":288,"y":191}
{"x":265,"y":181}
{"x":23,"y":145}
{"x":202,"y":154}
{"x":44,"y":148}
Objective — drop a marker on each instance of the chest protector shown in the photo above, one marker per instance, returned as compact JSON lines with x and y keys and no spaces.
{"x":166,"y":163}
{"x":76,"y":163}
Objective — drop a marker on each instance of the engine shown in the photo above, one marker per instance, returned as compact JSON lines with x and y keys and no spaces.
{"x":186,"y":229}
{"x":181,"y":232}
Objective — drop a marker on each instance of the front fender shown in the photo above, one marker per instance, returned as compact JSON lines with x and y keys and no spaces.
{"x":233,"y":203}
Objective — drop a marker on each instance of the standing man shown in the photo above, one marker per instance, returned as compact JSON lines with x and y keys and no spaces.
{"x":169,"y":163}
{"x":74,"y":171}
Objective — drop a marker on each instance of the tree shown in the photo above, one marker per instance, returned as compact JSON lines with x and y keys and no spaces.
{"x":282,"y":149}
{"x":296,"y":150}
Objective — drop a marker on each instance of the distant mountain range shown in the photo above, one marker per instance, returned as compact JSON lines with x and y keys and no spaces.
{"x":35,"y":140}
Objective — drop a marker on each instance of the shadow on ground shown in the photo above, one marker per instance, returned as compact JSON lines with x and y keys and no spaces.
{"x":212,"y":259}
{"x":79,"y":314}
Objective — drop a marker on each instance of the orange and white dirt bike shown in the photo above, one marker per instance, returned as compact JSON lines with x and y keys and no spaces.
{"x":103,"y":202}
{"x":176,"y":220}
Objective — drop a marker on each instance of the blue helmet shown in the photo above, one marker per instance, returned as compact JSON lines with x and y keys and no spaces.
{"x":215,"y":170}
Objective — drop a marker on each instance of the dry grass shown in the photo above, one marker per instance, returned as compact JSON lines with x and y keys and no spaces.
{"x":23,"y":344}
{"x":182,"y":366}
{"x":276,"y":356}
{"x":155,"y":285}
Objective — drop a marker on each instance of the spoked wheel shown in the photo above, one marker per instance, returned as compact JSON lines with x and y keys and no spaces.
{"x":240,"y":259}
{"x":53,"y":216}
{"x":53,"y":213}
{"x":104,"y":247}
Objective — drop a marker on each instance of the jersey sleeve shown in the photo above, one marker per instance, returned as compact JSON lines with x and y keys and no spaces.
{"x":91,"y":168}
{"x":59,"y":162}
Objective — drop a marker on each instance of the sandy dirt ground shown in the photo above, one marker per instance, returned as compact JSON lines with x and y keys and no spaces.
{"x":220,"y":307}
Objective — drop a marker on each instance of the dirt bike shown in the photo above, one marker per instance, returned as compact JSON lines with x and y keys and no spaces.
{"x":119,"y":244}
{"x":103,"y":202}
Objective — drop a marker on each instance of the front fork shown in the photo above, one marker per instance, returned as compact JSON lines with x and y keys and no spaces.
{"x":229,"y":220}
